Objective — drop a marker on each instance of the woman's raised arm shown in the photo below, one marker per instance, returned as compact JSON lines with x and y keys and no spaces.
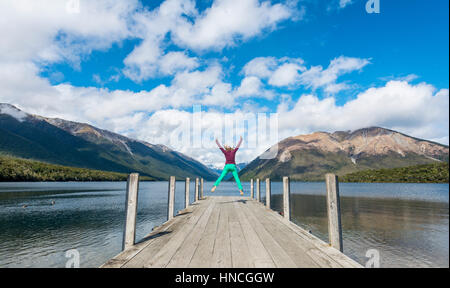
{"x":218,"y":144}
{"x":239,"y":144}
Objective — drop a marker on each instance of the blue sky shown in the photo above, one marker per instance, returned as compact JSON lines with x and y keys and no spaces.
{"x":407,"y":37}
{"x":137,"y":67}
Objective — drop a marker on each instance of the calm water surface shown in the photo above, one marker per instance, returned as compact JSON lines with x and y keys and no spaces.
{"x":407,"y":223}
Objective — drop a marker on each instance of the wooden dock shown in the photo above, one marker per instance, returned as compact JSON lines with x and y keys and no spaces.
{"x":228,"y":232}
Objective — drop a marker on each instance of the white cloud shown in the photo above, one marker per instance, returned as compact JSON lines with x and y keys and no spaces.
{"x":57,"y":35}
{"x":286,"y":75}
{"x":224,"y":24}
{"x":229,"y":21}
{"x":279,"y":72}
{"x":417,"y":110}
{"x":317,"y":77}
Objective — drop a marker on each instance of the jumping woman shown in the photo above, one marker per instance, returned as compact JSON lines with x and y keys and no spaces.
{"x":230,"y":165}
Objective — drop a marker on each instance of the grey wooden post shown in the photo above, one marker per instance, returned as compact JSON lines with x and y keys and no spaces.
{"x":171,"y":198}
{"x":251,"y":189}
{"x":201,"y":189}
{"x":186,"y":192}
{"x":286,"y":198}
{"x":268,"y":193}
{"x":334,"y":211}
{"x":196,"y":189}
{"x":129,"y":233}
{"x":258,"y":190}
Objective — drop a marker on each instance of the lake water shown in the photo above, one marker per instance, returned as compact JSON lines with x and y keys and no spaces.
{"x":408,"y":224}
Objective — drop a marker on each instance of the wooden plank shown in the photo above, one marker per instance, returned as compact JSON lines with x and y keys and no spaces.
{"x":165,"y":254}
{"x":184,"y":254}
{"x":186,"y":192}
{"x":334,"y":212}
{"x":279,"y":256}
{"x":158,"y":241}
{"x":123,"y":257}
{"x":294,"y":246}
{"x":258,"y":190}
{"x":131,"y":203}
{"x":196,"y":189}
{"x":268,"y":195}
{"x":204,"y":251}
{"x":286,"y":198}
{"x":171,"y":198}
{"x":251,"y":189}
{"x":240,"y":255}
{"x":332,"y":255}
{"x":201,"y":189}
{"x":259,"y":256}
{"x":222,"y":247}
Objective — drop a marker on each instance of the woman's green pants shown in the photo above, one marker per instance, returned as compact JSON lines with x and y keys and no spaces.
{"x":229,"y":168}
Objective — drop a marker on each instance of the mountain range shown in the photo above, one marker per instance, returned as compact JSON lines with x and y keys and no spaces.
{"x":68,"y":143}
{"x":310,"y":157}
{"x":304,"y":157}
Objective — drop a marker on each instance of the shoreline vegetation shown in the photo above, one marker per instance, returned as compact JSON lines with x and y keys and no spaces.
{"x":427,"y":173}
{"x":14,"y":169}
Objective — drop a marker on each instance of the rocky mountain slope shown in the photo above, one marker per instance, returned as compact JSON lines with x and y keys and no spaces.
{"x":75,"y":144}
{"x":309,"y":157}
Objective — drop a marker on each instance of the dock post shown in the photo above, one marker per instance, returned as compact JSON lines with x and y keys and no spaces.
{"x":186,"y":192}
{"x":286,"y":198}
{"x":196,"y":189}
{"x":334,"y":211}
{"x":129,"y":233}
{"x":251,"y":189}
{"x":201,"y":189}
{"x":171,"y":198}
{"x":268,"y":184}
{"x":258,"y":190}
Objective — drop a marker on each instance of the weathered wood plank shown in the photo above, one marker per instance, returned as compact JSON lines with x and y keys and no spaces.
{"x":196,"y":189}
{"x":259,"y":256}
{"x":171,"y":198}
{"x":131,"y":203}
{"x":240,"y":255}
{"x":186,"y":192}
{"x":334,"y":212}
{"x":201,"y":189}
{"x":222,"y":247}
{"x":258,"y":190}
{"x":203,"y":253}
{"x":286,"y":198}
{"x":294,"y":246}
{"x":160,"y":237}
{"x":279,"y":256}
{"x":268,"y":192}
{"x":230,"y":232}
{"x":251,"y":189}
{"x":163,"y":257}
{"x":183,"y":255}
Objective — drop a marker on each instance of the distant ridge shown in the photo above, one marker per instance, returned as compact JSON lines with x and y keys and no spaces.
{"x":310,"y":157}
{"x":69,"y":143}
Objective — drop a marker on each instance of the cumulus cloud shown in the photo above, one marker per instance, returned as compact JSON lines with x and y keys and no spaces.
{"x":278,"y":72}
{"x":417,"y":110}
{"x":229,"y":21}
{"x":179,"y":22}
{"x":317,"y":77}
{"x":45,"y":31}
